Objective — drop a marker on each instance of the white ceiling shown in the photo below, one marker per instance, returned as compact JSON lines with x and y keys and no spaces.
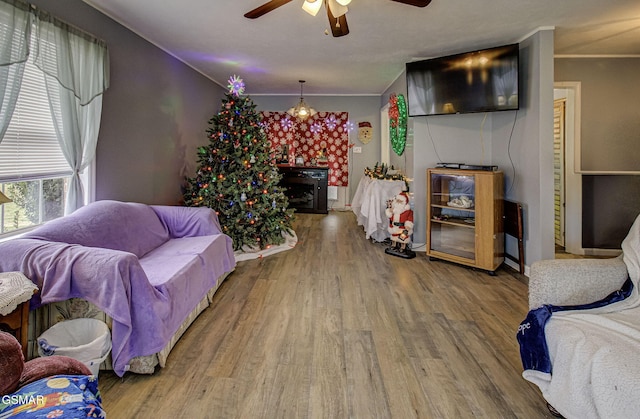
{"x":273,"y":52}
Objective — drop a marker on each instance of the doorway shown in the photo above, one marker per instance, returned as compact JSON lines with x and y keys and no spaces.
{"x":570,"y":210}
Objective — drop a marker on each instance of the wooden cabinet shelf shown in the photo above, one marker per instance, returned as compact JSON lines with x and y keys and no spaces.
{"x":444,"y":205}
{"x":460,"y":222}
{"x":472,"y":236}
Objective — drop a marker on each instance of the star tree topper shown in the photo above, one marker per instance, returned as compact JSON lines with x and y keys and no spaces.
{"x":236,"y":85}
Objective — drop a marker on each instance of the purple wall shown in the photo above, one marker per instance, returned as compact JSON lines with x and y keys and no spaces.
{"x":154,"y":115}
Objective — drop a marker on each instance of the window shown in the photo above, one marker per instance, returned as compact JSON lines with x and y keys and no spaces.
{"x":33,"y":170}
{"x":48,"y":142}
{"x":34,"y":202}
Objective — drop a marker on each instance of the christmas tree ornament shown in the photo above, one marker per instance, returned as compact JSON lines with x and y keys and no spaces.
{"x":243,"y":197}
{"x":236,"y":86}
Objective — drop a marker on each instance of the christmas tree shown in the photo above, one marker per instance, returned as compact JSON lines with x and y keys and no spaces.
{"x":238,"y":178}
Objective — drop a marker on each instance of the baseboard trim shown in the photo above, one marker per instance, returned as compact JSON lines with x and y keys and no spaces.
{"x":602,"y":252}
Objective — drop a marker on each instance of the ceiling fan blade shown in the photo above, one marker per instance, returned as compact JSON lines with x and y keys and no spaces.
{"x":265,"y":8}
{"x":338,"y":25}
{"x":417,"y":3}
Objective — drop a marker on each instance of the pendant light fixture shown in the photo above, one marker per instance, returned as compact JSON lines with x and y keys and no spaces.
{"x":301,"y":110}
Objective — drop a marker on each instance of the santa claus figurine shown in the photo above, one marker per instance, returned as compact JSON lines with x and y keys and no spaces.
{"x":400,"y":226}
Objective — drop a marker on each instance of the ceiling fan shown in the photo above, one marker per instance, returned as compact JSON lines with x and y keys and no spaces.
{"x":336,"y":10}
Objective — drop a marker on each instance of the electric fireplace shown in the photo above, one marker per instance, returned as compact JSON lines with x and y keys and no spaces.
{"x":306,"y":187}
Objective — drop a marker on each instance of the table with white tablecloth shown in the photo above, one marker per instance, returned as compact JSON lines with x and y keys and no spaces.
{"x":370,"y":202}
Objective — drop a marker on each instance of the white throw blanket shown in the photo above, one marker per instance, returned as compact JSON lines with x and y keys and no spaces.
{"x":595,"y":353}
{"x":15,"y":289}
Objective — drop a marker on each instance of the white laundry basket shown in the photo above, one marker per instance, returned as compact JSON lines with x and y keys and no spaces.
{"x":87,"y":340}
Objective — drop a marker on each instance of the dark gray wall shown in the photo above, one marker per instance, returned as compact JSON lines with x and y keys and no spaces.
{"x":610,"y":142}
{"x":610,"y":204}
{"x":154,"y":114}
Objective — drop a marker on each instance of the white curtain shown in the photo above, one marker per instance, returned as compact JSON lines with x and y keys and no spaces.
{"x":15,"y":31}
{"x":76,"y":68}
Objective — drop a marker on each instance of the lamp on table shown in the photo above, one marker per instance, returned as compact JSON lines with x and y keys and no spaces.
{"x":4,"y":199}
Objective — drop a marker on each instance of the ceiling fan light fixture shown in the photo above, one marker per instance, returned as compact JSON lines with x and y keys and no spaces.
{"x":312,"y":6}
{"x":337,"y":9}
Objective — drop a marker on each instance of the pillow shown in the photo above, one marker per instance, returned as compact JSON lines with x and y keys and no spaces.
{"x":11,"y":363}
{"x":51,"y":365}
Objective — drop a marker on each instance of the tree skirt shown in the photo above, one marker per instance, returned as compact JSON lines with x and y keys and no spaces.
{"x":290,"y":241}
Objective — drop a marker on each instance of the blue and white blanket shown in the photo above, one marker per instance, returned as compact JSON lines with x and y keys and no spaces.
{"x":534,"y":351}
{"x":58,"y":396}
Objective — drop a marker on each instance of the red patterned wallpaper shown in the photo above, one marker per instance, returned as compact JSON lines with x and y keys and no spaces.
{"x":324,"y":130}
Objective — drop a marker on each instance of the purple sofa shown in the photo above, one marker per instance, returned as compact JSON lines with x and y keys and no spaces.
{"x":147,"y":267}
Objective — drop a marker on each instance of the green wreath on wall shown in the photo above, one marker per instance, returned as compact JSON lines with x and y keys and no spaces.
{"x":398,"y":123}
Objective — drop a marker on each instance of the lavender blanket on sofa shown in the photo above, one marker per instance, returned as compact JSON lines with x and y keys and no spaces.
{"x":147,"y":267}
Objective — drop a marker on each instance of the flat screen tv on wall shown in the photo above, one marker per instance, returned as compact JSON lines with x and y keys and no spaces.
{"x":478,"y":81}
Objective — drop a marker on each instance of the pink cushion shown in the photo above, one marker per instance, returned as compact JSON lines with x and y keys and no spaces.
{"x":51,"y":365}
{"x":11,"y":363}
{"x":16,"y":373}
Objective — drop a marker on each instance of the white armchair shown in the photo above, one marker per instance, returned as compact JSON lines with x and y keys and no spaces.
{"x":585,"y":361}
{"x":574,"y":281}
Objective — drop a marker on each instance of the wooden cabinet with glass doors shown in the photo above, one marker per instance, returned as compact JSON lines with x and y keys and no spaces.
{"x":464,"y":217}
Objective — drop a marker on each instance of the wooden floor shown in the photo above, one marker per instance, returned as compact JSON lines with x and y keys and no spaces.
{"x":336,"y":328}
